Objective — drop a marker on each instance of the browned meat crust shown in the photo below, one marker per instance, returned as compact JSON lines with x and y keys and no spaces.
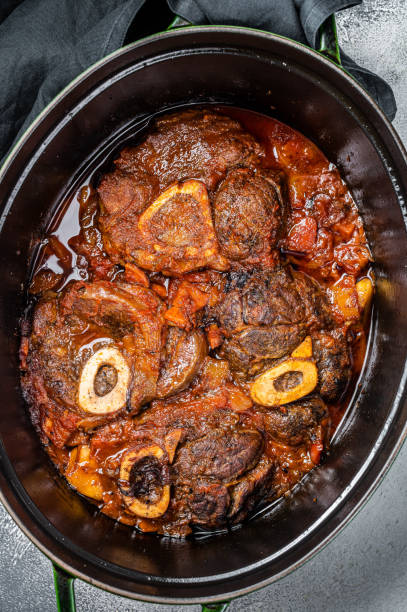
{"x":200,"y":144}
{"x":69,"y":328}
{"x":296,"y":423}
{"x":248,"y":214}
{"x":219,"y":456}
{"x":266,"y":314}
{"x":334,"y":364}
{"x":179,"y":237}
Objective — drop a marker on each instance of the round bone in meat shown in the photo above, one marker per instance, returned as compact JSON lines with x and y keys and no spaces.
{"x":285,"y":382}
{"x":144,"y":482}
{"x":88,"y":398}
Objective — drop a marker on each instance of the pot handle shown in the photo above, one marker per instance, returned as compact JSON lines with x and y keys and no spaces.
{"x":64,"y":590}
{"x":216,"y":607}
{"x":328,"y":40}
{"x":65,"y":595}
{"x":328,"y":37}
{"x":178,"y":22}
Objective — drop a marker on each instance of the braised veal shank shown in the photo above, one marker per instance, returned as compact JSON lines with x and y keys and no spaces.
{"x":190,"y":356}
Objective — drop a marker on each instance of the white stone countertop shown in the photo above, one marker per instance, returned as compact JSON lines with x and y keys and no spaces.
{"x":365,"y":568}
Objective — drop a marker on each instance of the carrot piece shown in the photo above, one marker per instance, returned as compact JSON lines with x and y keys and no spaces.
{"x":302,"y":235}
{"x":364,"y":288}
{"x":160,"y":290}
{"x":187,"y":301}
{"x":239,"y":402}
{"x":352,"y":258}
{"x":214,"y":335}
{"x":133,"y":274}
{"x":175,"y":316}
{"x":345,"y":298}
{"x":187,"y":292}
{"x":345,"y":229}
{"x":315,"y":452}
{"x":200,"y":298}
{"x":146,"y":526}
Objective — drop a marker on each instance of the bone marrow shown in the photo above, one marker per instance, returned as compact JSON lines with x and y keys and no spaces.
{"x":104,"y":382}
{"x":144,"y":482}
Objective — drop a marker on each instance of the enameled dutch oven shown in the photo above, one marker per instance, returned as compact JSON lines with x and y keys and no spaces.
{"x":276,"y":76}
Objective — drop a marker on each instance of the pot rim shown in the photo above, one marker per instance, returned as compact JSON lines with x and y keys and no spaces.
{"x":340,"y":71}
{"x":7,"y":163}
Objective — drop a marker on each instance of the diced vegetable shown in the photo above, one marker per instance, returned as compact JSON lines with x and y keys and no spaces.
{"x":214,"y":335}
{"x":160,"y":290}
{"x":187,"y":301}
{"x":315,"y":452}
{"x":352,"y":258}
{"x":175,"y":316}
{"x":364,"y":289}
{"x":239,"y":402}
{"x":302,"y":235}
{"x":134,"y":274}
{"x":304,"y":350}
{"x":82,"y":474}
{"x":345,"y":298}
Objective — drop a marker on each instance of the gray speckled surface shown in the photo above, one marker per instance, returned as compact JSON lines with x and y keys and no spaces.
{"x":365,"y":568}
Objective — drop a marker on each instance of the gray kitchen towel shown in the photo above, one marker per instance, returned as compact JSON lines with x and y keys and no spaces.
{"x":297,"y":19}
{"x":44,"y":44}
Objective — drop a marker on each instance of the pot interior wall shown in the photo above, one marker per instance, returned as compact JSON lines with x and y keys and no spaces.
{"x":274,"y":77}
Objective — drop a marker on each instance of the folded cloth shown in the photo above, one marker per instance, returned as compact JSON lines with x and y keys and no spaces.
{"x":44,"y":44}
{"x":297,"y":19}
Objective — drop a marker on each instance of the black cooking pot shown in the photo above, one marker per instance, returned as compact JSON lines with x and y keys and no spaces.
{"x":270,"y":74}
